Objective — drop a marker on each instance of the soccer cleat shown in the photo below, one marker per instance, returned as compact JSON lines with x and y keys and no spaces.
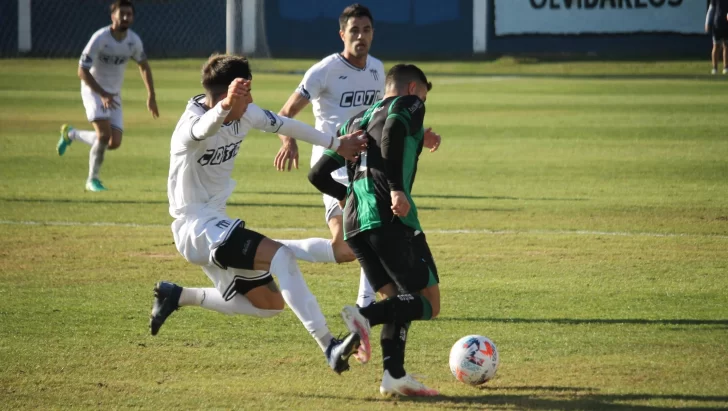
{"x":713,"y":71}
{"x":166,"y":301}
{"x":406,"y":385}
{"x":339,"y":351}
{"x":356,"y":323}
{"x":95,"y":185}
{"x":65,"y":140}
{"x":725,"y":70}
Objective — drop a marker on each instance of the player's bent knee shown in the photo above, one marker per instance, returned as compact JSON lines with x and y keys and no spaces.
{"x":113,"y":145}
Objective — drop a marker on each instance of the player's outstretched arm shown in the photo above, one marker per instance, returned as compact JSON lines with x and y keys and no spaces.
{"x":320,"y":175}
{"x":146,"y":72}
{"x":287,"y":155}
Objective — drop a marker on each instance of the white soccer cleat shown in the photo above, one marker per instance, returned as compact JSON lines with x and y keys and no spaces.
{"x":356,"y":323}
{"x":406,"y":385}
{"x":725,"y":71}
{"x":714,"y":71}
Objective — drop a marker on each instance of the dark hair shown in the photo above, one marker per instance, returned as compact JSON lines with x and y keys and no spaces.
{"x":122,"y":3}
{"x":355,"y":10}
{"x":402,"y":74}
{"x":221,"y":69}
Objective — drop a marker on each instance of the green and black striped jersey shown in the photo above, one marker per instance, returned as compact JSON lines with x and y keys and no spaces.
{"x":394,"y":128}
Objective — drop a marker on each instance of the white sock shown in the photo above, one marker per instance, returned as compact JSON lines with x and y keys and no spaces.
{"x":86,"y":136}
{"x":313,"y":250}
{"x":96,"y":158}
{"x":366,"y":293}
{"x":211,"y":299}
{"x":297,"y":295}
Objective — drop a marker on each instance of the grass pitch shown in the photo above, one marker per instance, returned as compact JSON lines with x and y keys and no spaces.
{"x":578,"y":214}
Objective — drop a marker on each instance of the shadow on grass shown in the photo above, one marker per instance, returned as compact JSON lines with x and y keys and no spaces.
{"x":436,"y":196}
{"x":552,"y":397}
{"x":230,"y":203}
{"x":579,"y":321}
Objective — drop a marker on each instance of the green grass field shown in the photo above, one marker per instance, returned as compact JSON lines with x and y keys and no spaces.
{"x":578,"y":213}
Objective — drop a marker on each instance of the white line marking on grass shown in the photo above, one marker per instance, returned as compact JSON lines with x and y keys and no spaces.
{"x":432,"y":231}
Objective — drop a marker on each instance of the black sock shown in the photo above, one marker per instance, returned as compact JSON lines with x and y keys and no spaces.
{"x":398,"y":310}
{"x":393,"y":341}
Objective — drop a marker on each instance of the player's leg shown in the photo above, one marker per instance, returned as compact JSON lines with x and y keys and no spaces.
{"x":168,"y":297}
{"x":408,"y":265}
{"x":342,"y":251}
{"x":97,"y":154}
{"x":724,"y":44}
{"x":246,"y":249}
{"x":715,"y":53}
{"x":94,"y":111}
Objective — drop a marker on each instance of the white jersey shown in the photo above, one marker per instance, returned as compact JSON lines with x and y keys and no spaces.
{"x":199,"y":170}
{"x":339,"y":91}
{"x":106,"y":57}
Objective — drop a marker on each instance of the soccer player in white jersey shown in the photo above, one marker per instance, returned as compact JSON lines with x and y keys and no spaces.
{"x":101,"y":70}
{"x":339,"y":87}
{"x":240,"y":262}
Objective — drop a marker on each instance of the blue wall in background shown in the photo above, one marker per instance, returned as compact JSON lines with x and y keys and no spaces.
{"x":402,"y":28}
{"x":8,"y":28}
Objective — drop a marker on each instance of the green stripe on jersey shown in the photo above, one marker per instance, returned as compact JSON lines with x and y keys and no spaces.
{"x":367,"y":212}
{"x":333,"y":154}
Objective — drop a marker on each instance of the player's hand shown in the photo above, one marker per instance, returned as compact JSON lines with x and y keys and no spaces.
{"x":108,"y":100}
{"x":287,"y":155}
{"x":238,"y":93}
{"x":432,"y":140}
{"x":400,"y":204}
{"x":350,"y":145}
{"x":152,"y":106}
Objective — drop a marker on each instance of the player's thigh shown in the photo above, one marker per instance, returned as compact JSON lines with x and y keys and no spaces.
{"x":403,"y":258}
{"x":263,"y":292}
{"x":342,"y":251}
{"x":240,"y":248}
{"x":115,"y":140}
{"x":369,"y":260}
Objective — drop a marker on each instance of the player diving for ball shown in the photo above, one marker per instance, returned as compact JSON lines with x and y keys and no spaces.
{"x":239,"y":262}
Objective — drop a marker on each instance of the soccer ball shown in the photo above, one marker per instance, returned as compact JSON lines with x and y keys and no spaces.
{"x":474,"y":359}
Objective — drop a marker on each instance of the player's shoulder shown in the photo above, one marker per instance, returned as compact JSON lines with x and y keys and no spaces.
{"x":326,"y":64}
{"x":102,"y":32}
{"x":375,"y":62}
{"x":133,"y":36}
{"x":196,"y":105}
{"x":410,"y":103}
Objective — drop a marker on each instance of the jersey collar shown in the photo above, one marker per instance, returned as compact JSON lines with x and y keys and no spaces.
{"x":351,"y":66}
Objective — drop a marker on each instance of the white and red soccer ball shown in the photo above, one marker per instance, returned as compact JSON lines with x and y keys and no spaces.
{"x":474,"y":359}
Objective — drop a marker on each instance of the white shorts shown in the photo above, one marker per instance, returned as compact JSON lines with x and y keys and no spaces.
{"x":95,"y":108}
{"x":196,"y":238}
{"x":332,"y":205}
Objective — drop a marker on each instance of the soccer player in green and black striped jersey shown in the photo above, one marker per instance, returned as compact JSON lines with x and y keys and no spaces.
{"x":381,"y":224}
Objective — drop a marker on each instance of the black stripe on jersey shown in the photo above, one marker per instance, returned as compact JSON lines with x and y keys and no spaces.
{"x":351,"y":66}
{"x":195,"y":101}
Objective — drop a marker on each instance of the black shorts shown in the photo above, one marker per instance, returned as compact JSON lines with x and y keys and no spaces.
{"x":394,"y":254}
{"x":720,"y":35}
{"x":238,"y":252}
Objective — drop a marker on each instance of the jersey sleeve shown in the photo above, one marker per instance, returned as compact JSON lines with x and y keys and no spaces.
{"x":91,"y":52}
{"x":320,"y":175}
{"x":313,"y":83}
{"x":264,"y":120}
{"x":404,"y":118}
{"x":138,"y":54}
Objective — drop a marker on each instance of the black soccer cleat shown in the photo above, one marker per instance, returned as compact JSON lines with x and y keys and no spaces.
{"x":166,"y":301}
{"x":339,"y":351}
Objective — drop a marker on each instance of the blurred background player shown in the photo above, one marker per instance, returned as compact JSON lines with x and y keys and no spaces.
{"x":240,"y":262}
{"x":380,"y":219}
{"x":101,"y":70}
{"x":339,"y":86}
{"x":716,"y":22}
